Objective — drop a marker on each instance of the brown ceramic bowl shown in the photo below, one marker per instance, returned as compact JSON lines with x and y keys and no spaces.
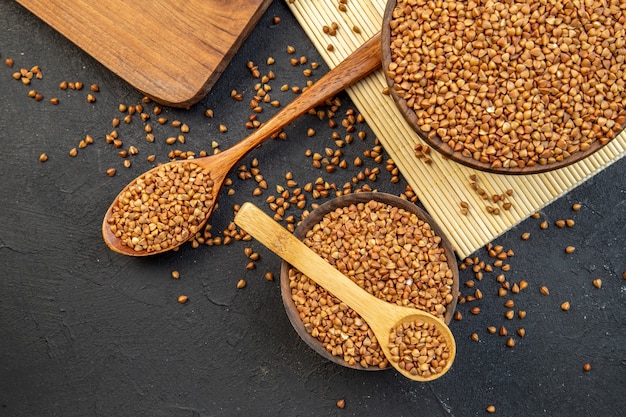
{"x":488,"y":162}
{"x":315,"y":217}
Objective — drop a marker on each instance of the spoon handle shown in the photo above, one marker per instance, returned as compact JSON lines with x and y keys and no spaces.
{"x":267,"y":231}
{"x":357,"y":65}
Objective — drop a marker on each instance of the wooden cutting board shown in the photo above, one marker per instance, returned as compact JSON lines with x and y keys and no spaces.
{"x":172,"y":51}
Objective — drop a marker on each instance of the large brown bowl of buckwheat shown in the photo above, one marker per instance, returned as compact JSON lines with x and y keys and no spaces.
{"x":511,"y":87}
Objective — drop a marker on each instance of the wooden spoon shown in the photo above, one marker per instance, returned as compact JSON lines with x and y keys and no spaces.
{"x":380,"y":315}
{"x":360,"y":63}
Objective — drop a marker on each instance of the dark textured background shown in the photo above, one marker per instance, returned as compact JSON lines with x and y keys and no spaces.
{"x":86,"y":332}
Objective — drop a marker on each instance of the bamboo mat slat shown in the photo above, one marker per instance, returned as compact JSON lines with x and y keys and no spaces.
{"x":442,"y":184}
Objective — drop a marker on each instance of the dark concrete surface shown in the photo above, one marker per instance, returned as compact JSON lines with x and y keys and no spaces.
{"x":86,"y":332}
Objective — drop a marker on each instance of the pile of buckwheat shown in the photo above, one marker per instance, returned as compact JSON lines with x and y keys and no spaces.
{"x":512,"y":83}
{"x":162,"y":207}
{"x":387,"y":251}
{"x":419,"y":348}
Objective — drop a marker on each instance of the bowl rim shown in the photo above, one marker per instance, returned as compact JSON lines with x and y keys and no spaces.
{"x":443,"y":148}
{"x":314,"y":217}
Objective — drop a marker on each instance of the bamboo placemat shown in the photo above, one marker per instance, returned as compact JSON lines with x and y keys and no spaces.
{"x":442,"y":184}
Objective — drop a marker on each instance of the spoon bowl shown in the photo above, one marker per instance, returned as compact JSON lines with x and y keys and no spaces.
{"x":360,"y":63}
{"x":381,"y":316}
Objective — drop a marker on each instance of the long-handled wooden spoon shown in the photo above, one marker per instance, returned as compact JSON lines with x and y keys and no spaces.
{"x":356,"y":66}
{"x":380,"y":315}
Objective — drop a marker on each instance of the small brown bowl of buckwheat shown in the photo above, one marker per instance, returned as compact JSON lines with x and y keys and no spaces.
{"x":518,"y":87}
{"x":386,"y":245}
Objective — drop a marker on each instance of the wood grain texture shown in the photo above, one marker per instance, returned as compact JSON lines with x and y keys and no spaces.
{"x":442,"y":184}
{"x":171,"y":51}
